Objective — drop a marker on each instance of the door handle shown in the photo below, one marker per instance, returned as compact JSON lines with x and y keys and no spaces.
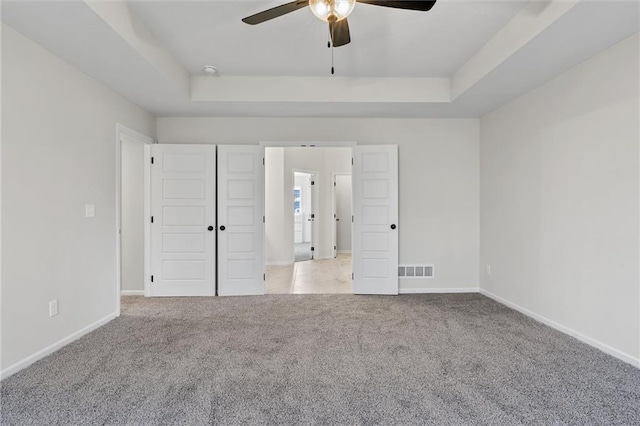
{"x":222,"y":228}
{"x":210,"y":228}
{"x":393,"y":226}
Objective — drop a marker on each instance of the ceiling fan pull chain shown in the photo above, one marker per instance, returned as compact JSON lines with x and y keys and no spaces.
{"x":332,"y":69}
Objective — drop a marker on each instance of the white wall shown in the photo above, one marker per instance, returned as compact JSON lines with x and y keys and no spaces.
{"x":275,"y":251}
{"x":560,"y":201}
{"x":343,"y":196}
{"x":132,"y":207}
{"x":439,"y":175}
{"x":59,"y":145}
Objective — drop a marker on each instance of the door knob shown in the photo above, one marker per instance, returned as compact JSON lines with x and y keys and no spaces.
{"x":210,"y":228}
{"x":222,"y":228}
{"x":393,"y":226}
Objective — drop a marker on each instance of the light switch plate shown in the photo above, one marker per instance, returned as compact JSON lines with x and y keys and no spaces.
{"x":90,"y":210}
{"x":53,"y":308}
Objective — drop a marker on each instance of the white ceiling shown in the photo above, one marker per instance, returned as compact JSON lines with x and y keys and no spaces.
{"x":462,"y":59}
{"x":384,"y":42}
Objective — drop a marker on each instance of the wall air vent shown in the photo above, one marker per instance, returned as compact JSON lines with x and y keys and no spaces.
{"x":415,"y":271}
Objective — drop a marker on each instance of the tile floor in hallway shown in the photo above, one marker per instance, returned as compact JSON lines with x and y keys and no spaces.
{"x":311,"y":277}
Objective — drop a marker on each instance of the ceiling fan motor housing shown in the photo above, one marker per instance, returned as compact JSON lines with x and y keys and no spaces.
{"x":332,"y":10}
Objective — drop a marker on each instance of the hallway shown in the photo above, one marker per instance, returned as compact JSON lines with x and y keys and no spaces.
{"x":311,"y":277}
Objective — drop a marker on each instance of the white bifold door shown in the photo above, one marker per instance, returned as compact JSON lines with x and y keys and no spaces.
{"x":183,"y":210}
{"x":375,"y":219}
{"x":240,"y":220}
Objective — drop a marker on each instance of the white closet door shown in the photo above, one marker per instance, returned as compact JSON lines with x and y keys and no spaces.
{"x":183,"y":207}
{"x":375,"y":211}
{"x":240,"y":220}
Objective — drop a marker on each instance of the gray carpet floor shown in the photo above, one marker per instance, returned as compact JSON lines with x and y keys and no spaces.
{"x":323,"y":359}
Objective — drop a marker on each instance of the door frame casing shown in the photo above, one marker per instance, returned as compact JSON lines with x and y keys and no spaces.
{"x":121,"y":130}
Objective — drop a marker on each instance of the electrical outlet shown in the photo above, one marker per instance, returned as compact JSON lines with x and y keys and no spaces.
{"x":488,"y":269}
{"x":53,"y":308}
{"x":90,"y":210}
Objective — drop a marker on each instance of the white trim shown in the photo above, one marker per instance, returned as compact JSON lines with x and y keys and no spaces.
{"x":55,"y":346}
{"x":344,"y":251}
{"x":120,"y":131}
{"x":426,"y":290}
{"x":147,"y":223}
{"x":132,"y":293}
{"x":566,"y":330}
{"x":343,"y":144}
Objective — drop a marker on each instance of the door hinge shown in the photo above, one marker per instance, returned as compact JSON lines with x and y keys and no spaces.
{"x":151,"y":160}
{"x":352,"y":161}
{"x":352,"y":219}
{"x":313,"y":216}
{"x":352,"y":277}
{"x":313,"y":183}
{"x":335,"y":247}
{"x":151,"y":278}
{"x":335,"y":184}
{"x":151,"y":219}
{"x":263,"y":219}
{"x":264,"y":277}
{"x":263,"y":161}
{"x":313,"y":248}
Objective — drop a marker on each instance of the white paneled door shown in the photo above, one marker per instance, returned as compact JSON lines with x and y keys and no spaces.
{"x":240,"y":220}
{"x":375,"y":222}
{"x":183,"y":209}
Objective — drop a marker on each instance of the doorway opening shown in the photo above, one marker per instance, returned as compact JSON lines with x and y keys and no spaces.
{"x":301,"y":250}
{"x":133,"y":154}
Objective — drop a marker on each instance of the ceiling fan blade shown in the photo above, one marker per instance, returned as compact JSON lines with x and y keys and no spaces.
{"x":340,"y":33}
{"x":424,"y":6}
{"x":275,"y":12}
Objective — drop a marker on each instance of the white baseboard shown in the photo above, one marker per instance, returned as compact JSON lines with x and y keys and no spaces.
{"x":54,"y":347}
{"x":566,"y":330}
{"x":426,"y":290}
{"x":279,"y":262}
{"x":344,"y":251}
{"x":132,"y":293}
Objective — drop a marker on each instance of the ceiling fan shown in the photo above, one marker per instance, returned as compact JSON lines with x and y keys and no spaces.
{"x":335,"y":12}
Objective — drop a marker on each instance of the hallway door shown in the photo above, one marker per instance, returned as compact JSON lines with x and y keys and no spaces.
{"x":240,"y":220}
{"x":375,"y":221}
{"x":183,"y":213}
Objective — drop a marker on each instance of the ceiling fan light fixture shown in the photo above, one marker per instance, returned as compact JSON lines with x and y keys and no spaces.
{"x":332,"y":10}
